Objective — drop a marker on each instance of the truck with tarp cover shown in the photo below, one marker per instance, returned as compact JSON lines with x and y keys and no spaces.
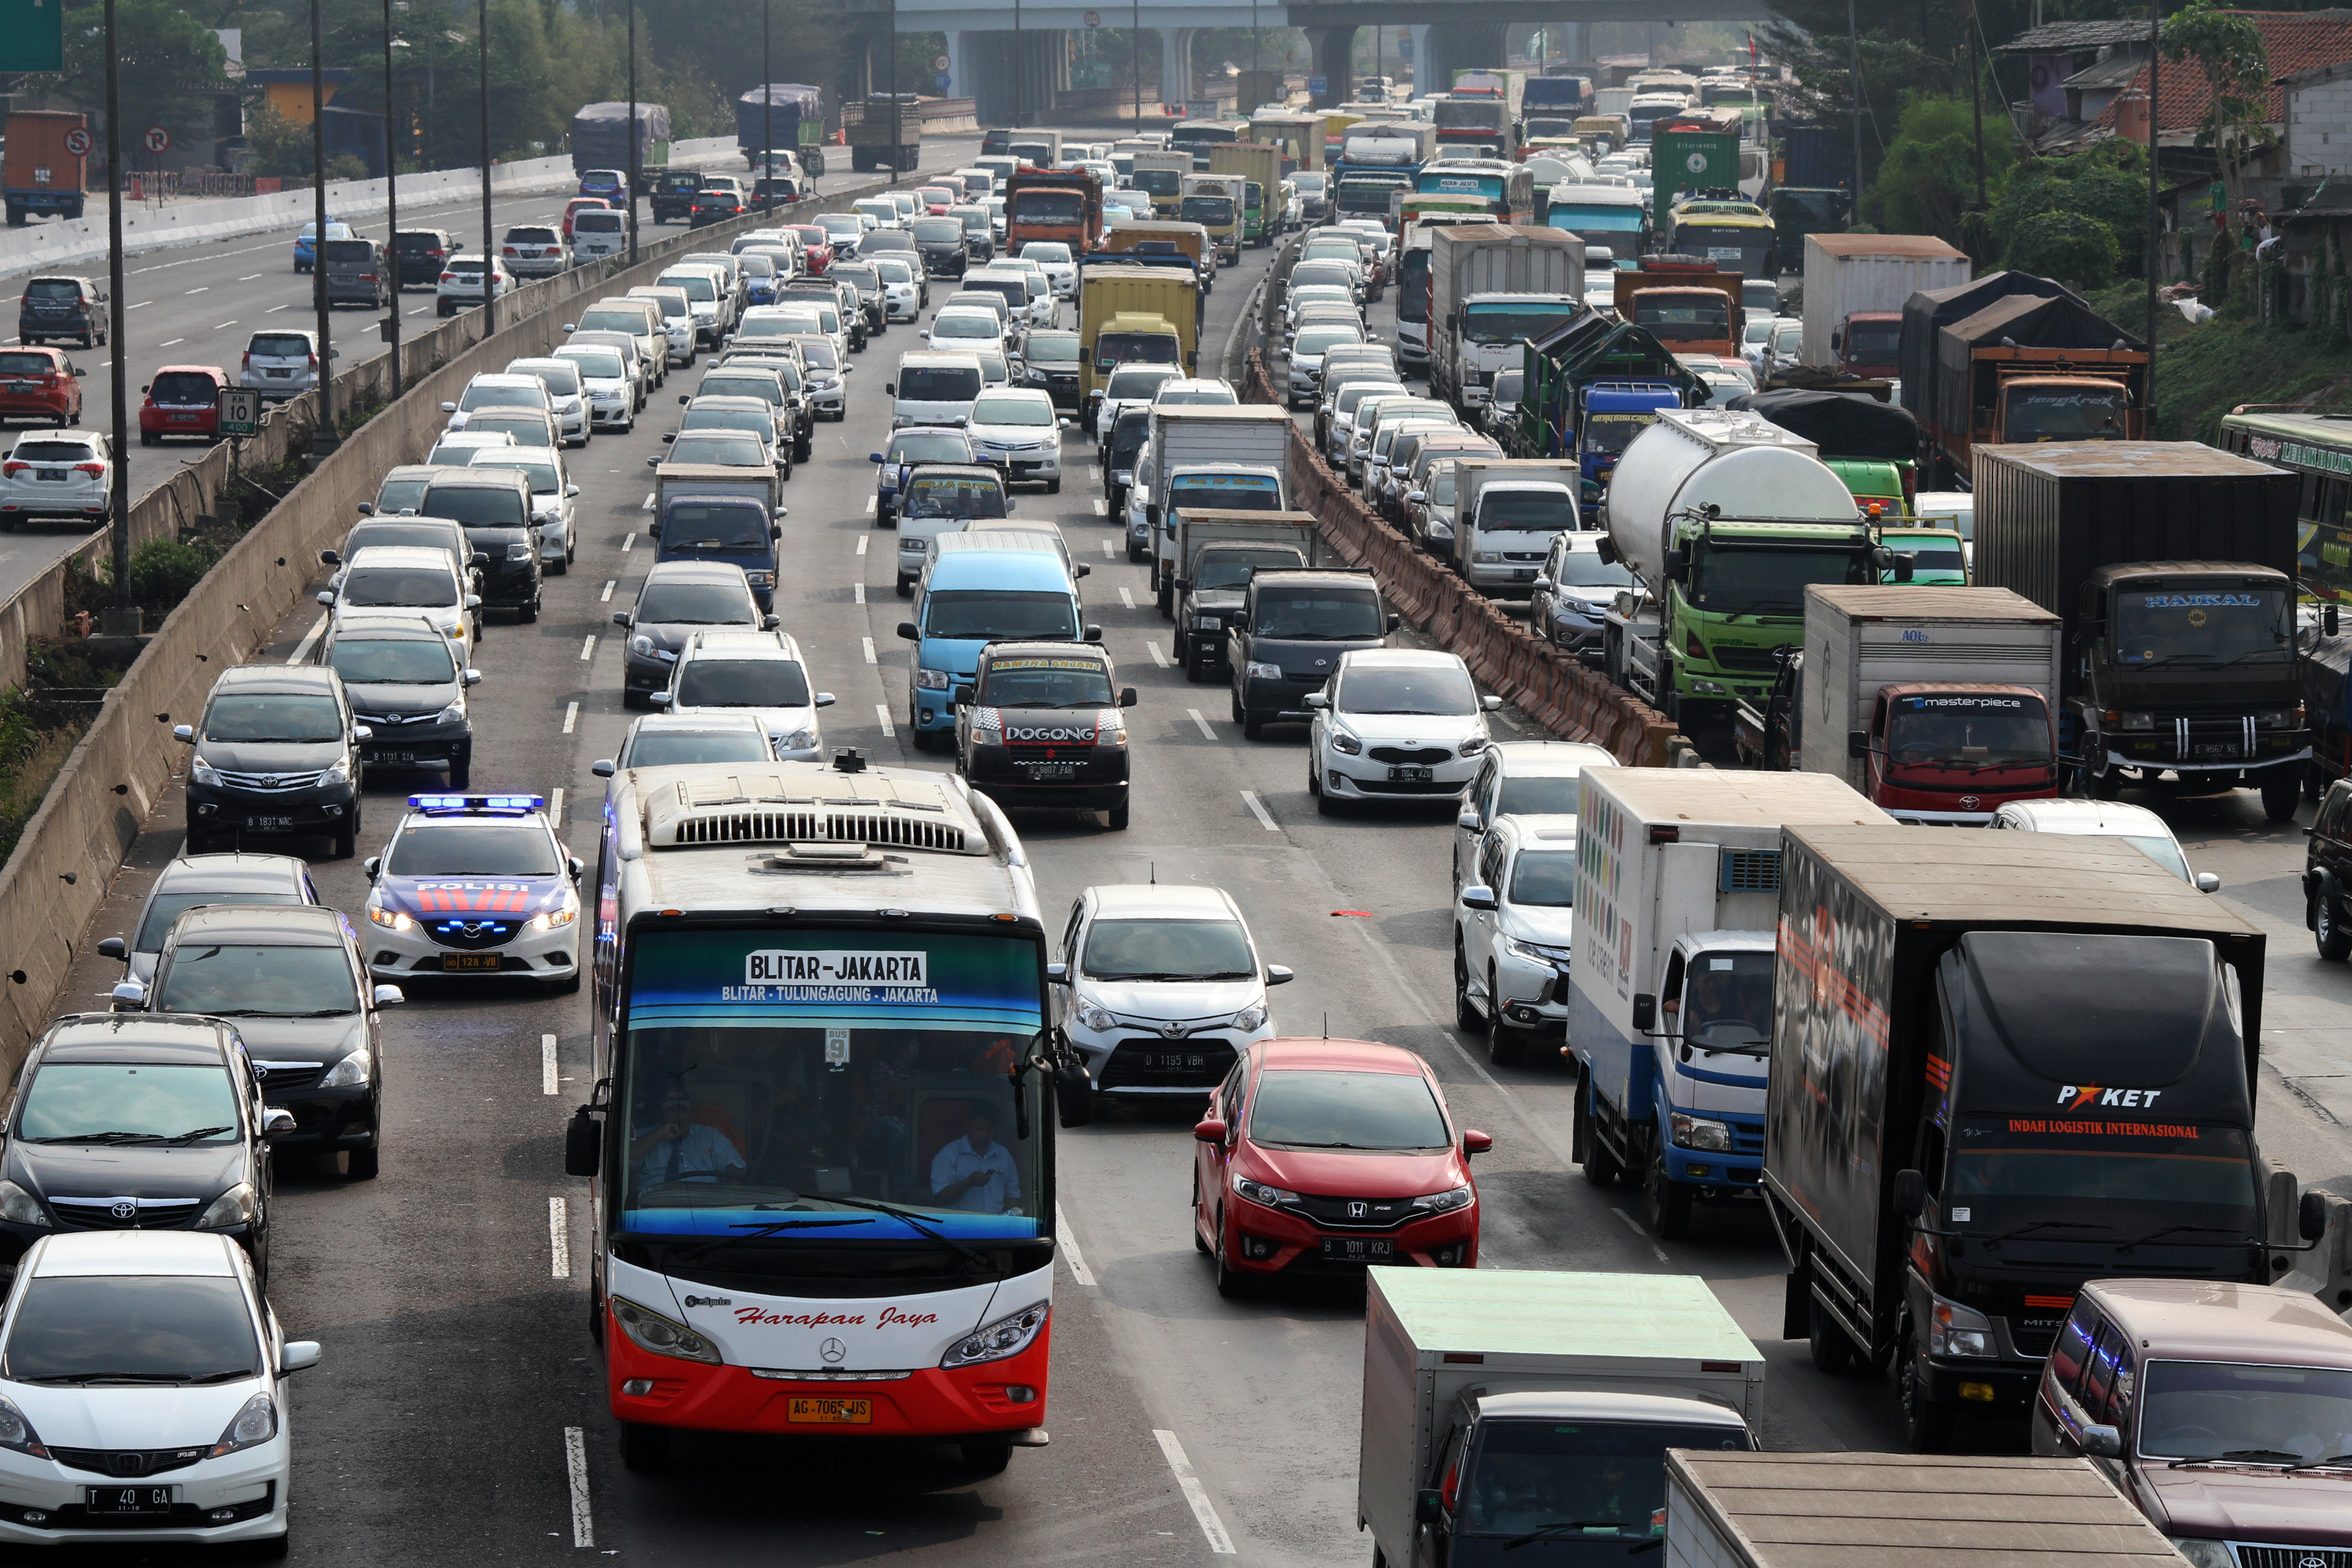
{"x":2025,"y":369}
{"x":1590,"y":387}
{"x":1869,"y":444}
{"x":600,"y":137}
{"x":782,"y":117}
{"x":1998,"y":1071}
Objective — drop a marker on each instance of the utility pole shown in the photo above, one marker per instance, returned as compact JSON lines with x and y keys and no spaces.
{"x":1854,"y":67}
{"x":1020,"y":64}
{"x":1134,"y":61}
{"x":898,"y":133}
{"x":631,"y":193}
{"x":489,"y":240}
{"x":123,"y":619}
{"x":766,"y":112}
{"x":1976,"y":102}
{"x":323,"y":439}
{"x":2154,"y":204}
{"x":392,"y":204}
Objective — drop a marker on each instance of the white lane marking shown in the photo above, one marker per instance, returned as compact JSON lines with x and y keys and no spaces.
{"x":1126,"y":598}
{"x":882,"y":713}
{"x":1101,"y":506}
{"x":605,"y":597}
{"x":309,"y":641}
{"x":1158,"y":657}
{"x":1206,"y":733}
{"x":248,"y":278}
{"x":273,"y":310}
{"x":587,"y":650}
{"x":205,"y":288}
{"x":1194,"y":1493}
{"x":857,"y":592}
{"x":575,"y":1465}
{"x":648,"y":504}
{"x":869,"y":648}
{"x":1257,"y":808}
{"x":572,"y":716}
{"x":1070,"y":1249}
{"x":861,"y":544}
{"x":224,"y":326}
{"x":141,"y":305}
{"x":170,"y":343}
{"x":548,"y":1082}
{"x":629,"y":542}
{"x":1107,"y":551}
{"x":555,"y":810}
{"x":869,"y":505}
{"x":1644,"y":1234}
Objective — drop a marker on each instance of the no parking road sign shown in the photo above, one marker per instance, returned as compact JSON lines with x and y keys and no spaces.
{"x":77,"y":142}
{"x":156,"y":139}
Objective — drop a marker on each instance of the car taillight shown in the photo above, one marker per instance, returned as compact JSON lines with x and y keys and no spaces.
{"x":89,"y":467}
{"x":448,"y":277}
{"x":437,"y":253}
{"x":508,"y":250}
{"x":314,"y":362}
{"x":248,"y":360}
{"x":10,"y":470}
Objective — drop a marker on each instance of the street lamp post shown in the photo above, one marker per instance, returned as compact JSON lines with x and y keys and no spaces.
{"x":490,"y":242}
{"x":322,"y":440}
{"x":1019,"y":64}
{"x":124,"y":618}
{"x":1135,"y":61}
{"x":392,"y":204}
{"x":633,"y":159}
{"x":764,"y":185}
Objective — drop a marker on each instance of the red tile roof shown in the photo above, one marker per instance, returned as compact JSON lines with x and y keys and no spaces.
{"x":2297,"y":41}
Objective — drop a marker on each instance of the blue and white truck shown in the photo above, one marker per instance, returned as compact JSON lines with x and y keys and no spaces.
{"x":1670,"y":974}
{"x":1610,"y":414}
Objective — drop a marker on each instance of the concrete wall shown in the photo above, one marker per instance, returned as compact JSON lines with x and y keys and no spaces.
{"x":2319,"y":127}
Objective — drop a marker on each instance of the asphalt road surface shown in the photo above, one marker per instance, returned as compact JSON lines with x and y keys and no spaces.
{"x":458,"y":1415}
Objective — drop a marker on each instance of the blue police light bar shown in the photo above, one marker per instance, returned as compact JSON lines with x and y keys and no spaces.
{"x":477,"y":802}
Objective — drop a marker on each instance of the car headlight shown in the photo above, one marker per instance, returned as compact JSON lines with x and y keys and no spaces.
{"x":1206,"y":622}
{"x":650,"y":1330}
{"x":1445,"y":1202}
{"x":237,"y":1205}
{"x":1956,"y":1330}
{"x":641,"y":643}
{"x":761,"y":579}
{"x":1486,"y":557}
{"x":998,"y":1340}
{"x":1122,"y":476}
{"x":1473,"y":746}
{"x":2278,"y":719}
{"x":1257,"y":672}
{"x":1094,"y":1016}
{"x":18,"y":1433}
{"x":454,"y":714}
{"x":563,"y":913}
{"x":341,"y":773}
{"x":1439,"y":528}
{"x":349,"y":1072}
{"x":1346,"y":744}
{"x":1535,"y":952}
{"x":1260,"y":1192}
{"x":390,"y":919}
{"x":799,"y":740}
{"x":2140,"y":721}
{"x":519,"y":551}
{"x":2202,"y":1554}
{"x":1250,"y":1019}
{"x":1695,"y":1133}
{"x":18,"y":1207}
{"x":203,"y":772}
{"x":930,"y":680}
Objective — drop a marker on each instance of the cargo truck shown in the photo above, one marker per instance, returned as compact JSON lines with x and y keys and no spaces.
{"x":1300,"y":137}
{"x":1161,"y":176}
{"x":38,"y":174}
{"x":1832,"y":1510}
{"x":1723,"y":518}
{"x":1936,"y":703}
{"x":1035,"y":149}
{"x":1216,"y":553}
{"x":599,"y":139}
{"x":782,"y":117}
{"x":1605,"y":218}
{"x":2172,"y":566}
{"x":1064,"y":204}
{"x":1686,"y":302}
{"x":1871,"y":444}
{"x":1507,"y":1404}
{"x":1492,"y":286}
{"x":884,"y":133}
{"x":1259,"y":166}
{"x":1214,"y":202}
{"x":1228,"y":457}
{"x":2022,"y":1062}
{"x":1555,"y":95}
{"x":1486,"y":127}
{"x":1855,"y":289}
{"x":1127,"y":313}
{"x":1507,"y":512}
{"x":2026,"y":369}
{"x":1669,"y":986}
{"x":1699,"y":152}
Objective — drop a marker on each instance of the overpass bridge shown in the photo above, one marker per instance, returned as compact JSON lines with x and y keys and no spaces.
{"x":1013,"y":58}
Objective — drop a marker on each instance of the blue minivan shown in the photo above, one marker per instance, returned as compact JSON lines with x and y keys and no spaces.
{"x":734,"y":529}
{"x":993,"y":585}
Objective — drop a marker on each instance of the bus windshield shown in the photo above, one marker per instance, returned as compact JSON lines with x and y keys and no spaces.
{"x":1443,"y":181}
{"x":822,"y":1087}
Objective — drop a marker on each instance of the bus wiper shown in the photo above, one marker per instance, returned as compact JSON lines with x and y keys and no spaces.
{"x":911,"y":1221}
{"x":1562,"y":1527}
{"x":755,"y":1229}
{"x":2177,"y":1229}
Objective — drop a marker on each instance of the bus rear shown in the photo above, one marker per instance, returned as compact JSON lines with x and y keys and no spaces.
{"x":822,"y":1159}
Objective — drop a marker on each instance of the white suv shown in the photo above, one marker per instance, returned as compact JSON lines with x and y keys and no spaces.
{"x":56,"y":473}
{"x":1512,"y":930}
{"x":1019,"y":432}
{"x":495,"y":389}
{"x":460,"y":287}
{"x":534,"y":250}
{"x":1394,"y":724}
{"x":762,"y":671}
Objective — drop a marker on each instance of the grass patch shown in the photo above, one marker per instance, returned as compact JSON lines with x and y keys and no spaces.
{"x":33,"y":744}
{"x":2204,"y":371}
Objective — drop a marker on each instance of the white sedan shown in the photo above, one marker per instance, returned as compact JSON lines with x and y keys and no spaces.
{"x":56,"y":473}
{"x":1395,"y":724}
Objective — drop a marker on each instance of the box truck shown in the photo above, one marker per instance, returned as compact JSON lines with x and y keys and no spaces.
{"x":1216,"y":553}
{"x":1232,"y":457}
{"x":38,"y":174}
{"x":1507,"y":512}
{"x":1855,"y":289}
{"x":1492,"y":287}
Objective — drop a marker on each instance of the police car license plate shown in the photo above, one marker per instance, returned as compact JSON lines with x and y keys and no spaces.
{"x":265,"y":824}
{"x":128,"y":1500}
{"x":831,"y":1412}
{"x":1358,"y":1250}
{"x":1410,"y":774}
{"x":469,"y":960}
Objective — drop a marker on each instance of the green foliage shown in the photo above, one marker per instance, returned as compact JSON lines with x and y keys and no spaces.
{"x":164,"y":571}
{"x":2069,"y":247}
{"x":2228,"y":48}
{"x":1928,"y":179}
{"x":2108,"y":185}
{"x":281,"y":148}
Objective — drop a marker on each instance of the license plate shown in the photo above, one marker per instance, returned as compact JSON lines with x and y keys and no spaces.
{"x":1523,"y":574}
{"x":831,"y":1412}
{"x":2224,"y":749}
{"x":51,"y":474}
{"x":183,"y":419}
{"x":268,"y":824}
{"x":396,"y":758}
{"x":279,"y":373}
{"x":127,"y":1499}
{"x":469,"y":960}
{"x":1355,"y":1249}
{"x":20,"y":386}
{"x":1410,"y":774}
{"x":1173,"y":1061}
{"x":1049,"y":771}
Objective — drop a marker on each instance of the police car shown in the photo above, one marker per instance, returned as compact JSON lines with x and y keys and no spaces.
{"x":475,"y":885}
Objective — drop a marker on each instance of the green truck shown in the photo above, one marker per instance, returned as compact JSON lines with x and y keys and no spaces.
{"x":1694,"y":160}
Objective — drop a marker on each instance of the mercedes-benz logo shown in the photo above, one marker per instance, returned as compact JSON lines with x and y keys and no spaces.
{"x":124,"y":1208}
{"x":831,"y":1350}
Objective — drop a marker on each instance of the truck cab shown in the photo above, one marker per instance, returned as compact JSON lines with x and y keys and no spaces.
{"x":1953,"y":753}
{"x":1611,"y":413}
{"x":2065,"y":408}
{"x":1869,"y":344}
{"x":1506,"y":521}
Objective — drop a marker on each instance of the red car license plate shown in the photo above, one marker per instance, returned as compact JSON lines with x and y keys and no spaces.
{"x":1358,"y":1250}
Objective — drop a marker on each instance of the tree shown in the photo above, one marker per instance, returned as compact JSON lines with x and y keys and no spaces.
{"x":2228,"y":48}
{"x":161,"y":52}
{"x":2107,"y":184}
{"x":2076,"y":250}
{"x":1928,"y":178}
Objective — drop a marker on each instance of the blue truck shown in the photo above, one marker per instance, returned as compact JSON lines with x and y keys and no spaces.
{"x":1610,"y":413}
{"x":782,"y":117}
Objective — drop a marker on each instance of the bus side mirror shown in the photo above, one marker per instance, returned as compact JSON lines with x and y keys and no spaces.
{"x":2328,"y":619}
{"x":584,"y":1145}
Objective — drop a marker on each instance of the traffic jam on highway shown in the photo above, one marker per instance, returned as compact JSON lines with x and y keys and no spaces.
{"x":821,"y":950}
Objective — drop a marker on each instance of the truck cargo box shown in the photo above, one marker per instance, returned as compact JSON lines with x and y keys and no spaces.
{"x":1851,"y":274}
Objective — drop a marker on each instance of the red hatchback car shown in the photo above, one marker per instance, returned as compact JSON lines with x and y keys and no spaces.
{"x":38,"y":384}
{"x":937,"y":199}
{"x":584,"y":205}
{"x":816,"y":248}
{"x":1320,"y":1157}
{"x":182,"y":400}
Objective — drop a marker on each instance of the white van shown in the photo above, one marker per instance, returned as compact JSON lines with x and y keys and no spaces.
{"x":597,"y":235}
{"x":934,"y":387}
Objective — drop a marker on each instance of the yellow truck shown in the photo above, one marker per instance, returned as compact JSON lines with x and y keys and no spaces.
{"x":1127,"y":313}
{"x":1214,"y":202}
{"x":1161,"y":176}
{"x":1259,"y":166}
{"x":1188,"y":240}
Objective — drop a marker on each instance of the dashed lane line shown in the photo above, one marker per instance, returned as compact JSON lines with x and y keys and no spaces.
{"x":1644,"y":1234}
{"x":1257,"y":808}
{"x":548,"y":1082}
{"x":1125,"y":598}
{"x":869,"y":505}
{"x":882,"y":713}
{"x":1108,"y":554}
{"x":1158,"y":657}
{"x":861,"y":544}
{"x":575,"y":1467}
{"x":648,"y":504}
{"x":629,"y":542}
{"x":1197,"y":1495}
{"x":570,"y":716}
{"x":588,"y":649}
{"x":1206,"y":733}
{"x":1101,"y":506}
{"x":857,"y":593}
{"x":869,"y":641}
{"x":555,"y":810}
{"x":559,"y":1240}
{"x":309,"y":641}
{"x":1067,"y":1245}
{"x":605,"y":597}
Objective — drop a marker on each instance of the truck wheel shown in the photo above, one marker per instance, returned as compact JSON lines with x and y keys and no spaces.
{"x":1601,"y":1166}
{"x":1927,"y":1425}
{"x":1668,"y":1201}
{"x":1117,"y":815}
{"x":1167,"y":595}
{"x":1466,"y":1019}
{"x":1832,"y":1352}
{"x":2282,"y":792}
{"x":1253,"y":727}
{"x":2327,"y":928}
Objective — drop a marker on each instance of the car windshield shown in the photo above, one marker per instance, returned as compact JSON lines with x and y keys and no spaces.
{"x":1537,"y":511}
{"x":1167,"y":950}
{"x":1138,"y":383}
{"x":1570,"y":1482}
{"x":1368,"y":1111}
{"x":2206,"y":1409}
{"x":1967,"y":730}
{"x":726,"y":451}
{"x":257,"y":980}
{"x":1510,"y":323}
{"x":938,"y":383}
{"x":691,"y":526}
{"x":1022,"y":411}
{"x":1231,"y":569}
{"x":292,"y":717}
{"x":1727,"y":1004}
{"x":182,"y":386}
{"x":562,"y":379}
{"x":165,"y":907}
{"x":629,"y":322}
{"x":893,"y":271}
{"x":967,"y":324}
{"x":840,"y":226}
{"x":1318,"y":615}
{"x":278,"y":345}
{"x":28,"y":450}
{"x":401,"y":662}
{"x":1687,"y":320}
{"x":1042,"y":682}
{"x":2191,"y":627}
{"x":540,"y":472}
{"x":1315,"y":340}
{"x":121,"y":1103}
{"x":695,"y":605}
{"x":1225,"y":492}
{"x":400,"y":586}
{"x":1585,"y":569}
{"x":472,"y":849}
{"x":742,"y":683}
{"x":1196,"y":397}
{"x":953,"y":495}
{"x":477,"y":506}
{"x":67,"y":288}
{"x":527,"y":430}
{"x":990,"y":616}
{"x":929,"y":449}
{"x":1354,"y":392}
{"x":1045,"y":251}
{"x":136,"y":1328}
{"x":752,"y":422}
{"x":668,"y":747}
{"x":1537,"y":795}
{"x":1438,"y":689}
{"x":937,"y":231}
{"x":1544,"y":879}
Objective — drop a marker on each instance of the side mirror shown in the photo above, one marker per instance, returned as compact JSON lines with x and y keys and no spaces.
{"x":669,"y":437}
{"x":449,"y":408}
{"x":1210,"y":1130}
{"x":1491,"y":703}
{"x":571,"y":490}
{"x":657,"y":699}
{"x":1126,"y":696}
{"x":1279,"y":975}
{"x":655,"y":461}
{"x":890,"y":389}
{"x":685,"y":398}
{"x":1420,"y":497}
{"x":584,"y":1145}
{"x":1645,"y":1012}
{"x":1395,"y":619}
{"x":130,"y":996}
{"x":371,"y":866}
{"x":825,"y":699}
{"x":1474,"y":1142}
{"x":909,"y":631}
{"x":1905,"y":564}
{"x":472,"y":677}
{"x":1910,"y":1196}
{"x":1094,"y":633}
{"x":389,"y":996}
{"x":362,"y":732}
{"x":2311,"y":1216}
{"x":573,"y":865}
{"x":620,"y":618}
{"x":276,"y":1123}
{"x":1319,"y":700}
{"x":1474,"y":897}
{"x":2328,"y":619}
{"x":603,"y":767}
{"x":960,"y":694}
{"x":2207,"y":883}
{"x":1677,"y":563}
{"x":335,"y":557}
{"x":324,"y":598}
{"x":770,"y":623}
{"x":1857,"y":743}
{"x":473,"y":601}
{"x":1429,"y":1506}
{"x":298,"y":1355}
{"x":876,"y":456}
{"x":1057,"y":974}
{"x":1074,"y":1095}
{"x":2103,"y":1442}
{"x":1468,"y":822}
{"x":115,"y":947}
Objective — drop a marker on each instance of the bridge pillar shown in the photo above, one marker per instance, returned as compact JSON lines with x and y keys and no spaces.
{"x":1334,"y":50}
{"x":1420,"y":67}
{"x":1573,"y":44}
{"x":1176,"y":64}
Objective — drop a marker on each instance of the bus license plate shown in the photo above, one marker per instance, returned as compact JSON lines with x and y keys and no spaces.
{"x":1355,"y":1249}
{"x":1410,"y":774}
{"x":469,"y":960}
{"x":831,"y":1412}
{"x":127,"y":1499}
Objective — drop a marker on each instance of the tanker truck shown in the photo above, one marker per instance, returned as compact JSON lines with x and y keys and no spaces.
{"x":1722,"y":518}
